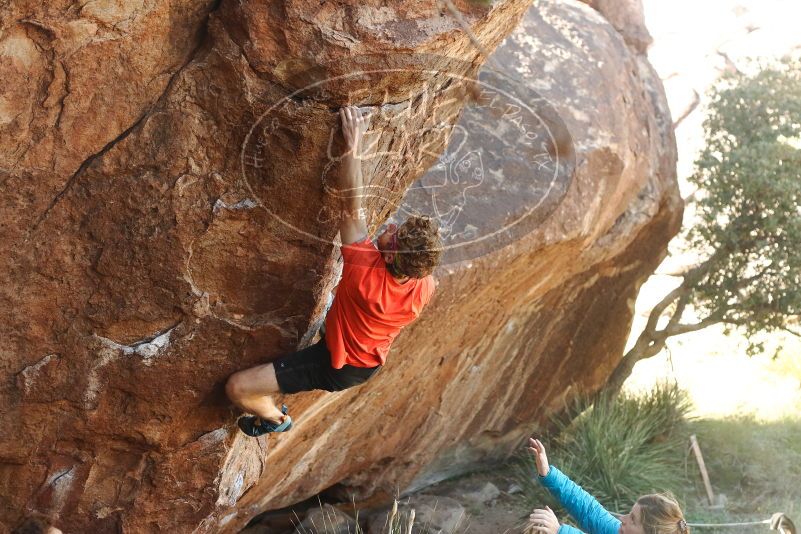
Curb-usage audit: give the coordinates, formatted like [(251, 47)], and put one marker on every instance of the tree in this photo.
[(748, 180)]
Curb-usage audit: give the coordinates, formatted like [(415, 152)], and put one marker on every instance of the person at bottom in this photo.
[(651, 514), (384, 287)]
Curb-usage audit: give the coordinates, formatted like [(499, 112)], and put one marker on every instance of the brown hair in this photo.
[(661, 514), (35, 523), (419, 248)]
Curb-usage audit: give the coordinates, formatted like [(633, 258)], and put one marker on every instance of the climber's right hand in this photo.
[(354, 126), (353, 224)]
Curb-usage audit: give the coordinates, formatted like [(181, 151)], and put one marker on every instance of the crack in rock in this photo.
[(148, 112), (147, 348), (110, 350)]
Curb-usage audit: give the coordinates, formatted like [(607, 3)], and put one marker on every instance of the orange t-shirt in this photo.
[(370, 307)]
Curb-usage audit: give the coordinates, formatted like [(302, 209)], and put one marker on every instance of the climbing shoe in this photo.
[(248, 424)]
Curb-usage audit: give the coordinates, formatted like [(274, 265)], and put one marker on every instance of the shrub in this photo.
[(619, 449)]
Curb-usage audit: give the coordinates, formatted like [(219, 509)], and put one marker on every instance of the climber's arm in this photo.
[(353, 225)]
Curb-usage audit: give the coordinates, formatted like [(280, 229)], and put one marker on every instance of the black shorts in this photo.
[(310, 369)]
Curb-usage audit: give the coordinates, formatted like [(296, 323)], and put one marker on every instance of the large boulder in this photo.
[(628, 18), (155, 246), (518, 331), (156, 234)]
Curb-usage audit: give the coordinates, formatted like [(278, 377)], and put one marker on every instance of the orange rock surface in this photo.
[(165, 222)]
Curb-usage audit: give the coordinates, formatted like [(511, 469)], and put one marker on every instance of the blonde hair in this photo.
[(661, 514), (419, 247)]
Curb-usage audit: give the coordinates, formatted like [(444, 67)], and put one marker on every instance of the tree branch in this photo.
[(661, 306), (789, 330), (690, 108), (681, 305), (651, 341), (679, 329)]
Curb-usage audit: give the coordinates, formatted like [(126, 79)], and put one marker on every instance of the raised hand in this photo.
[(354, 125), (353, 225), (540, 458), (544, 521)]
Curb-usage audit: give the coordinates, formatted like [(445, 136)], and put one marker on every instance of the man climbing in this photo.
[(384, 287)]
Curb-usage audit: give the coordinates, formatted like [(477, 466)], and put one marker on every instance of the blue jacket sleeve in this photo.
[(588, 513)]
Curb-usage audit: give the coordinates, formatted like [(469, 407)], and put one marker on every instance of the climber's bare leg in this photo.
[(252, 391)]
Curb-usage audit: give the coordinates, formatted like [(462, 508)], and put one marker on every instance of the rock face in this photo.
[(143, 261), (514, 334), (628, 18), (165, 222)]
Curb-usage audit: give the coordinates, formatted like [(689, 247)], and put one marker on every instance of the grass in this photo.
[(398, 521), (638, 444), (755, 464), (748, 424), (622, 449)]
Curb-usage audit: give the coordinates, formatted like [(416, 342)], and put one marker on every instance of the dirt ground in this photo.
[(506, 514)]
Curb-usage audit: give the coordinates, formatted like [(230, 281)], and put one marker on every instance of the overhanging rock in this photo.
[(156, 235)]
